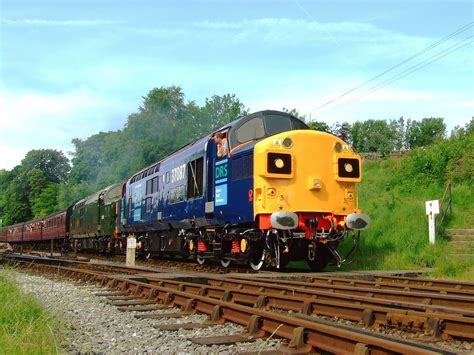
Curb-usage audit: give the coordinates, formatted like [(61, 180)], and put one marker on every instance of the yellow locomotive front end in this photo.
[(304, 187)]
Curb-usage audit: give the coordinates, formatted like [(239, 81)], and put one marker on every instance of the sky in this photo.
[(70, 68)]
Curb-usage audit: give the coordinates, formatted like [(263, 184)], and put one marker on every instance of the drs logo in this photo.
[(221, 171), (221, 174)]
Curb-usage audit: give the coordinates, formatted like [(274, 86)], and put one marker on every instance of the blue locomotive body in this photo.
[(192, 188)]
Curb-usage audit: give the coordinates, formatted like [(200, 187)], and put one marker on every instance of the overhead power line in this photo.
[(453, 48), (426, 49)]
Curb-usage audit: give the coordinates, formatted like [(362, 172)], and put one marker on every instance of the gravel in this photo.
[(93, 325)]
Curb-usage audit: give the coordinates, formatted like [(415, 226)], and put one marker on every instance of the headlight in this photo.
[(278, 163), (348, 168)]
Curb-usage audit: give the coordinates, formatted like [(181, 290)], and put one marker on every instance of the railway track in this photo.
[(413, 296), (399, 283), (286, 308), (94, 262)]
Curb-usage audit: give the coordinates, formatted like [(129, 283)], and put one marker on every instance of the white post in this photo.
[(432, 209), (131, 247)]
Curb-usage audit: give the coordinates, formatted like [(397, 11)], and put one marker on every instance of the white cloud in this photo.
[(51, 22), (35, 121), (297, 32)]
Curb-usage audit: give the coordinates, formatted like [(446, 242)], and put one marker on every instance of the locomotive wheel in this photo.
[(147, 248), (256, 263), (200, 260), (225, 262)]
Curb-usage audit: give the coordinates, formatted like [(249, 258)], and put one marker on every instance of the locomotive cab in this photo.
[(304, 187)]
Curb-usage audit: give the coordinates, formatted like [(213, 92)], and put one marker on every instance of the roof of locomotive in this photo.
[(201, 141), (95, 196)]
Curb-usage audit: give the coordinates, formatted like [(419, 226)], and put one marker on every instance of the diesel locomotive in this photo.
[(262, 190)]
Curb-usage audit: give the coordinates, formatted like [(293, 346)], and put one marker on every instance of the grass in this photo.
[(393, 192), (24, 327), (398, 237)]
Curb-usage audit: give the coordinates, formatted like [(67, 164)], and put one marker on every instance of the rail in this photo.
[(444, 206), (301, 334)]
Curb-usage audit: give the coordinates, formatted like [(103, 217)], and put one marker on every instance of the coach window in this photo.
[(148, 205), (195, 178), (149, 187), (130, 211), (154, 184), (249, 131)]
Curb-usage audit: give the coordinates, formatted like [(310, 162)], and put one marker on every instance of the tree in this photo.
[(343, 131), (459, 131), (398, 134), (319, 126), (88, 157), (162, 124), (294, 112), (43, 194), (46, 202), (426, 132), (220, 110), (52, 163), (372, 136), (17, 205)]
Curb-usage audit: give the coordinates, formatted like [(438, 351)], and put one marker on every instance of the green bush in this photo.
[(393, 192)]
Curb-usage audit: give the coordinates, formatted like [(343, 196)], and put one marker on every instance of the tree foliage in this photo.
[(163, 123), (372, 136), (54, 165), (319, 126), (31, 189), (426, 132)]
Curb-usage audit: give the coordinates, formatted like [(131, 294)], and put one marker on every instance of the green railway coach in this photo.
[(94, 219)]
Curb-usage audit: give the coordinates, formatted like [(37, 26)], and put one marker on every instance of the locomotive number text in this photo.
[(177, 173)]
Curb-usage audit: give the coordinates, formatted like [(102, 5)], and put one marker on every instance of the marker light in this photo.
[(287, 142)]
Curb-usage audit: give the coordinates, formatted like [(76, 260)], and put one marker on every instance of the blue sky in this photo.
[(73, 68)]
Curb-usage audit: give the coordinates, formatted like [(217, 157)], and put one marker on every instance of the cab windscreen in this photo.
[(278, 163)]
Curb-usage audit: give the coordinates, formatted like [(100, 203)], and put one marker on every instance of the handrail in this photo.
[(444, 211)]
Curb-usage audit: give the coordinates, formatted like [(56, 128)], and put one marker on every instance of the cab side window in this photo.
[(195, 178)]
